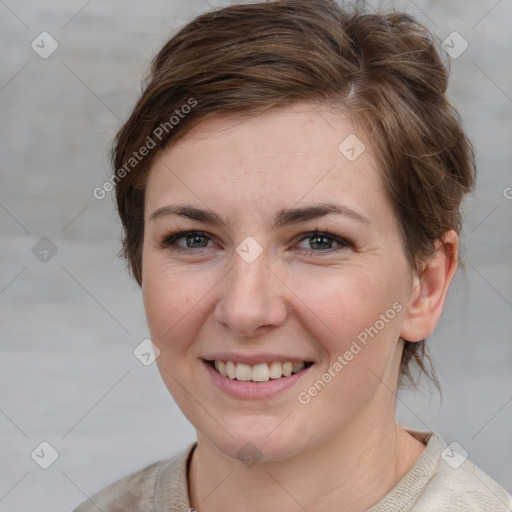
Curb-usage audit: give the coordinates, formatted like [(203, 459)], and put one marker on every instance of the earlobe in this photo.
[(429, 289)]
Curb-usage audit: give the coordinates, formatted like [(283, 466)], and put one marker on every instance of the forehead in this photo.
[(301, 153), (296, 131)]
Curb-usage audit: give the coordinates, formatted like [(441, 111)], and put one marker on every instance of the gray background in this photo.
[(68, 326)]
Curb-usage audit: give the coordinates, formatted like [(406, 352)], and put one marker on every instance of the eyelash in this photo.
[(170, 240)]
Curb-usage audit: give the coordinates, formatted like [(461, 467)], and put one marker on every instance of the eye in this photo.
[(193, 240), (322, 243)]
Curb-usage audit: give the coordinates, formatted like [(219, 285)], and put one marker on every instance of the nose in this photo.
[(253, 298)]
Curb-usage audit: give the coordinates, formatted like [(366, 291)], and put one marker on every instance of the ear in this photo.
[(429, 289)]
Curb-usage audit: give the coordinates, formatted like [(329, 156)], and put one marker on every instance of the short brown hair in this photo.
[(381, 69)]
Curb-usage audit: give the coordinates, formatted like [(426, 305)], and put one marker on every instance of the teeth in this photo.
[(287, 369), (259, 372), (222, 368), (297, 367), (275, 370), (231, 369), (243, 372)]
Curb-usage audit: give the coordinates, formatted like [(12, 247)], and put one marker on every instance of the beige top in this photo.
[(435, 483)]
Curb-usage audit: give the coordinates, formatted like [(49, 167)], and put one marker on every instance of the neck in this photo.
[(352, 469)]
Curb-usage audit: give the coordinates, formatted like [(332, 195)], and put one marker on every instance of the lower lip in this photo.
[(254, 390)]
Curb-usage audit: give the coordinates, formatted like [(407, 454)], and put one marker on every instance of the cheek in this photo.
[(356, 318), (342, 304), (363, 311), (169, 298), (173, 298), (164, 297)]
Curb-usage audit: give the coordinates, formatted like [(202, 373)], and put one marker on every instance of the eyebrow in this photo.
[(283, 217)]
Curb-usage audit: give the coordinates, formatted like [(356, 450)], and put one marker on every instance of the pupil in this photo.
[(316, 238), (194, 239)]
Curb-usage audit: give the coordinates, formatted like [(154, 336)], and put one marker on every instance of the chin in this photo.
[(252, 441)]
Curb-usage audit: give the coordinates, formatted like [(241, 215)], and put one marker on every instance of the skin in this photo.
[(343, 448)]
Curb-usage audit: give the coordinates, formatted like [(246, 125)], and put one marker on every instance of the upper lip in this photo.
[(253, 359)]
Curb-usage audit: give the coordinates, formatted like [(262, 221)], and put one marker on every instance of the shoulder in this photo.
[(442, 479), (460, 485), (135, 489), (145, 489)]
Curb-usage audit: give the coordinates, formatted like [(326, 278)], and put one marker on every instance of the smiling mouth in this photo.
[(259, 372)]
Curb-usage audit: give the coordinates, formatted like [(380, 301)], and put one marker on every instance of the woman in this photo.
[(290, 185)]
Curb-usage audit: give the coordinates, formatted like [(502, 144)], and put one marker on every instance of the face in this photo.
[(266, 245)]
